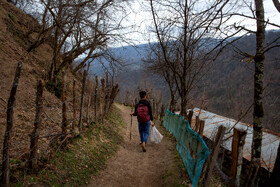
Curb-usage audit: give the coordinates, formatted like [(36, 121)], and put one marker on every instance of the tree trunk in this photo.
[(172, 103), (258, 88), (258, 84), (183, 111), (5, 180), (33, 158)]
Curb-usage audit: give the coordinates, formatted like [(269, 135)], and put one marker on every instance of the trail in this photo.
[(132, 167)]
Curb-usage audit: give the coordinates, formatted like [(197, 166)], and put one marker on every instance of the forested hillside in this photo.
[(227, 87)]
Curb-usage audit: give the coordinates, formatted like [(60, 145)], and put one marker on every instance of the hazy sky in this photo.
[(140, 18)]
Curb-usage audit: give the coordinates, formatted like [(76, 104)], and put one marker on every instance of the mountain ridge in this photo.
[(229, 84)]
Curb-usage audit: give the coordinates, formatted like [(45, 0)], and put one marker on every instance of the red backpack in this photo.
[(143, 113)]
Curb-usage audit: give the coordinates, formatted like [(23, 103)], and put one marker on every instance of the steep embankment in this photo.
[(15, 37)]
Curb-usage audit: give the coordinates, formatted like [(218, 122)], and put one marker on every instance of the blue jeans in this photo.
[(144, 129)]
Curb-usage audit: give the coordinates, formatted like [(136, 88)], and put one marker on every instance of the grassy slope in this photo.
[(82, 159)]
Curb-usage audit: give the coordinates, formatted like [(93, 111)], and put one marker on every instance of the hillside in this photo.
[(87, 154), (14, 26), (227, 86)]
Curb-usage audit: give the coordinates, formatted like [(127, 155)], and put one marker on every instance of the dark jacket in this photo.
[(147, 103)]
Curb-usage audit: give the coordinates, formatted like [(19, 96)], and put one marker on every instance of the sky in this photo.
[(140, 19)]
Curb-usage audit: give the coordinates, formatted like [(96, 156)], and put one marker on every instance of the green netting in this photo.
[(190, 145)]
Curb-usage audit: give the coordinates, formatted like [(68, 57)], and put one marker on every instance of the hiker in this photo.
[(144, 114)]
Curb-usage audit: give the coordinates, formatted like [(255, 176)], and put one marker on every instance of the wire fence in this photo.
[(54, 126)]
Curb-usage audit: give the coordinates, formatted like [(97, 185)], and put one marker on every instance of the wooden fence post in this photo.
[(114, 93), (82, 100), (96, 98), (74, 105), (5, 180), (88, 106), (106, 98), (190, 117), (213, 155), (33, 157), (238, 142), (197, 123), (63, 100), (101, 97), (201, 128)]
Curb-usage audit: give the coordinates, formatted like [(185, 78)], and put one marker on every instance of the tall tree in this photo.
[(185, 30), (258, 84)]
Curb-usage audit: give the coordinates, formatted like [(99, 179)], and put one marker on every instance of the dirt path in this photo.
[(131, 166)]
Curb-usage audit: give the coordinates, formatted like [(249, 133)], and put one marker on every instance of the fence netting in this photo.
[(190, 145)]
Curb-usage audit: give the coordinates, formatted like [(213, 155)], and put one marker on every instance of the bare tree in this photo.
[(258, 84), (157, 65), (78, 28), (185, 30)]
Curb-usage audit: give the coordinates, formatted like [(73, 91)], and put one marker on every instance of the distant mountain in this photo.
[(227, 89), (130, 58)]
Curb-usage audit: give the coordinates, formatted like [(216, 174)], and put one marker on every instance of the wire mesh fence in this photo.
[(56, 122)]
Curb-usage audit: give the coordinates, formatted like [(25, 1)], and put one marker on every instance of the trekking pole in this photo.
[(130, 124)]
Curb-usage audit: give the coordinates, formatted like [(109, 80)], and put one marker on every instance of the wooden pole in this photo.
[(238, 142), (201, 128), (96, 98), (197, 122), (82, 100), (74, 105), (113, 95), (131, 123), (101, 96), (5, 179), (64, 109), (106, 98), (214, 155), (190, 117), (88, 106), (33, 157)]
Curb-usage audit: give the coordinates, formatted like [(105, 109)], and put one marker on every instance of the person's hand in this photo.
[(152, 123), (131, 113)]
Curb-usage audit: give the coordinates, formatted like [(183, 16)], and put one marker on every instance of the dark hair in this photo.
[(142, 94)]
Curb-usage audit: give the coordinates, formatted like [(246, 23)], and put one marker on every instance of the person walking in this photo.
[(144, 114)]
